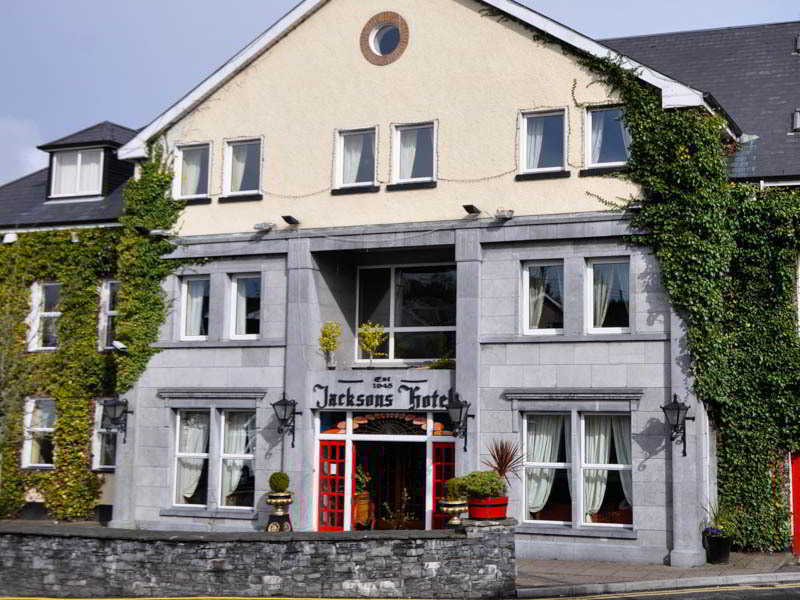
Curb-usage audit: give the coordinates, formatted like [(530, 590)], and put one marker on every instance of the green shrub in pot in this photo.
[(483, 484)]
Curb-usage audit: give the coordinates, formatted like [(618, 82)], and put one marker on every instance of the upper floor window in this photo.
[(104, 441), (77, 173), (414, 153), (243, 171), (196, 304), (609, 295), (544, 297), (39, 423), (417, 307), (192, 171), (245, 306), (609, 139), (543, 141), (109, 293), (45, 313), (356, 158)]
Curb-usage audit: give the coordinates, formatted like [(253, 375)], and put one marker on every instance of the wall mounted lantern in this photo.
[(675, 413), (115, 416), (458, 412), (285, 413)]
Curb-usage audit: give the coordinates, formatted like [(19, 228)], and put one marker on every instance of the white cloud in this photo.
[(18, 153)]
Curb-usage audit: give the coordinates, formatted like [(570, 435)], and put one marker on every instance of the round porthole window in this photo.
[(384, 38)]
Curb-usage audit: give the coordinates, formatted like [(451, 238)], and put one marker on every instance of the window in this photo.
[(77, 173), (589, 476), (236, 438), (40, 423), (46, 310), (543, 141), (544, 297), (109, 293), (196, 303), (243, 174), (238, 451), (417, 307), (609, 139), (609, 294), (246, 306), (192, 172), (104, 442), (414, 153), (356, 158)]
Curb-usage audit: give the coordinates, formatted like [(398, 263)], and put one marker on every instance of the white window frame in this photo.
[(79, 193), (228, 161), (523, 145), (97, 433), (526, 328), (27, 442), (396, 132), (178, 454), (589, 295), (233, 304), (178, 164), (37, 314), (105, 313), (391, 329), (223, 457), (184, 307), (339, 162), (575, 468), (588, 141)]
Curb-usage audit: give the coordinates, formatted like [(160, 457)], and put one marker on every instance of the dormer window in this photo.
[(77, 173)]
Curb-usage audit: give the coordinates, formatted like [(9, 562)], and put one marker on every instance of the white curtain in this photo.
[(193, 440), (66, 176), (622, 442), (598, 447), (241, 306), (239, 163), (535, 138), (237, 428), (190, 172), (90, 171), (626, 137), (536, 277), (196, 291), (351, 159), (598, 131), (544, 440), (408, 152), (603, 276)]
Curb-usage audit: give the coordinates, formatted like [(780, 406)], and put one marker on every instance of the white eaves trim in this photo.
[(674, 94)]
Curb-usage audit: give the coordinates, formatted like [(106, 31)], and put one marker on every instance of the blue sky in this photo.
[(68, 64)]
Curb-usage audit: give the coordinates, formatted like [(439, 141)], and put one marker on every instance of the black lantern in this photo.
[(458, 412), (115, 416), (285, 413), (675, 413)]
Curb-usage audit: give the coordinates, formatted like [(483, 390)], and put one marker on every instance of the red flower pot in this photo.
[(488, 508)]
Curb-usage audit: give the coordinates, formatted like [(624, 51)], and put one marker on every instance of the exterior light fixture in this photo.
[(472, 210), (675, 413), (796, 120), (290, 220), (504, 215), (458, 412), (285, 413), (115, 416), (264, 227), (10, 238)]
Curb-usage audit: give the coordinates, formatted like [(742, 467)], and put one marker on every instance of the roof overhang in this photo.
[(674, 94)]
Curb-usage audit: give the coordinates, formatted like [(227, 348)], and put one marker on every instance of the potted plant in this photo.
[(370, 337), (279, 498), (361, 500), (329, 342), (486, 497), (505, 458), (718, 532), (455, 502)]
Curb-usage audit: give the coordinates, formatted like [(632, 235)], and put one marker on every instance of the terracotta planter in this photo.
[(361, 509), (488, 508)]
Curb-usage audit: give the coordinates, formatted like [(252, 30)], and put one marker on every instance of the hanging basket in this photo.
[(488, 508)]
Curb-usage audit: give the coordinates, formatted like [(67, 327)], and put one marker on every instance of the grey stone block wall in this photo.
[(476, 561)]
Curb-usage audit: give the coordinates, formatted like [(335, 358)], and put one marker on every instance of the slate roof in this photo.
[(105, 133), (754, 73)]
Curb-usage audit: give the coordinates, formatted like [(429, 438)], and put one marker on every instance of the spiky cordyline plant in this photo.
[(505, 457)]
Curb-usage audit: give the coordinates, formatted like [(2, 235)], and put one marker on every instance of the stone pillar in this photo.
[(687, 479), (468, 313)]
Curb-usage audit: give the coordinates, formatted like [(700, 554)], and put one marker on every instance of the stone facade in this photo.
[(476, 561)]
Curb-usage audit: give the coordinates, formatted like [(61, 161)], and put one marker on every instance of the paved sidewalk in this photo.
[(541, 578)]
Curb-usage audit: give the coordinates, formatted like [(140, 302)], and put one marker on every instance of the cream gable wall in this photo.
[(469, 73)]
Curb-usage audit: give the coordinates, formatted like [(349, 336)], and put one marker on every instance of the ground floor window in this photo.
[(588, 475), (40, 422), (382, 470)]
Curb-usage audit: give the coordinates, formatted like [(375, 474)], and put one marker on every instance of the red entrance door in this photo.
[(331, 485), (444, 468), (795, 507)]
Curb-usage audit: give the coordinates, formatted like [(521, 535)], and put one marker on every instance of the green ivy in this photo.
[(77, 372)]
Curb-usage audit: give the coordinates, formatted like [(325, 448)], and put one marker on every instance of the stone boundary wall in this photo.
[(475, 561)]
